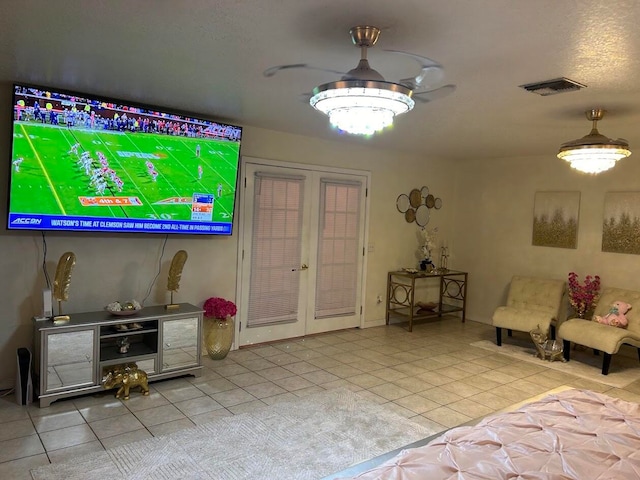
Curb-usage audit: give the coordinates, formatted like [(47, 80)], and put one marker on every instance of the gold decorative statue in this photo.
[(62, 281), (546, 348), (175, 273), (126, 376)]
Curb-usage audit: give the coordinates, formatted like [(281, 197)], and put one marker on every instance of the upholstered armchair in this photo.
[(532, 302)]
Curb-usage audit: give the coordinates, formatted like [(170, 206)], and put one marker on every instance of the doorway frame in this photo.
[(241, 282)]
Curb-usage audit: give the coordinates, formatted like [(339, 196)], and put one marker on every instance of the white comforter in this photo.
[(574, 434)]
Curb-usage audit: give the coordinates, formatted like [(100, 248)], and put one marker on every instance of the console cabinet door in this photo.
[(180, 343), (69, 359)]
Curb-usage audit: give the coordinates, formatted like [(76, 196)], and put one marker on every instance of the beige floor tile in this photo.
[(59, 406), (320, 377), (265, 389), (301, 367), (233, 397), (276, 373), (20, 447), (109, 427), (343, 371), (324, 362), (489, 399), (129, 437), (246, 407), (170, 427), (461, 388), (207, 417), (46, 423), (182, 393), (366, 380), (158, 415), (417, 403), (292, 384), (230, 369), (71, 453), (427, 422), (19, 469), (106, 410), (142, 402), (446, 416), (440, 395), (217, 385), (435, 378), (284, 359), (389, 374), (246, 379), (67, 437), (16, 429), (390, 391), (412, 384), (471, 408), (198, 405)]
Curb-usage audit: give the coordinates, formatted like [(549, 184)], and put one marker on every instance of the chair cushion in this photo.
[(596, 335), (521, 319)]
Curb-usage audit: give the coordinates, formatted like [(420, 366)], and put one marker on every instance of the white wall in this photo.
[(493, 221), (119, 267)]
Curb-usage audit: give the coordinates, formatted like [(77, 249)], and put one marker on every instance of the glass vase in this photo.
[(218, 336)]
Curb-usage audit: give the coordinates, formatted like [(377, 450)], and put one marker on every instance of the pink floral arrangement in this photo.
[(217, 307), (583, 297)]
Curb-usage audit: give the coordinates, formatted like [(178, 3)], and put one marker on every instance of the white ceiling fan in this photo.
[(362, 102)]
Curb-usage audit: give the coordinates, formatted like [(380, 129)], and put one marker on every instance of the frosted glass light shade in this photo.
[(594, 159), (362, 107)]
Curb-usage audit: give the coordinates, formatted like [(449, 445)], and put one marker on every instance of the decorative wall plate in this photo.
[(430, 201), (422, 215), (410, 215), (424, 191), (415, 198), (438, 203), (402, 203)]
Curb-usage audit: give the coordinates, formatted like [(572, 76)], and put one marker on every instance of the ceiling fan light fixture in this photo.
[(362, 107), (594, 153)]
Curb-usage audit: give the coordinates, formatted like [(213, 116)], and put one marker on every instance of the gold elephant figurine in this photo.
[(126, 376)]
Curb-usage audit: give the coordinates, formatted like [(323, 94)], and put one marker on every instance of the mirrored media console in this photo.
[(72, 359)]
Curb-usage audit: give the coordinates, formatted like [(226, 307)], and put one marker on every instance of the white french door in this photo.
[(302, 254)]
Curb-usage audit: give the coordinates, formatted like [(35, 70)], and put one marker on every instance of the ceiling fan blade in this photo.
[(431, 72), (270, 72), (427, 77), (430, 95)]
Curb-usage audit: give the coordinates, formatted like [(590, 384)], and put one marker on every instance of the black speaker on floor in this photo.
[(24, 387)]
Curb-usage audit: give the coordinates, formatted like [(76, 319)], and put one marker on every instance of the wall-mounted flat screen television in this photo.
[(84, 163)]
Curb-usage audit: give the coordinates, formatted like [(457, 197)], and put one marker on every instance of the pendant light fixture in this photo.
[(594, 153)]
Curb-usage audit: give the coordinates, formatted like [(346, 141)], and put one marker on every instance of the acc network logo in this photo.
[(26, 221)]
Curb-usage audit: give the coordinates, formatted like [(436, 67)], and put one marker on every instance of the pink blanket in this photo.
[(574, 434)]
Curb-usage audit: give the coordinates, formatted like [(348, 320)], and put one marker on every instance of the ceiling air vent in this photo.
[(553, 87)]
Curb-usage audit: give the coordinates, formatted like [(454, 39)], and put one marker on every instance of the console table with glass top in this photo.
[(401, 301)]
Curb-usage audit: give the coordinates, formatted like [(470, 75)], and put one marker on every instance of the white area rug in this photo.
[(308, 438), (583, 363)]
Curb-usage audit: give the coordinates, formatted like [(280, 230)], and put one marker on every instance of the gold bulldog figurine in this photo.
[(126, 376)]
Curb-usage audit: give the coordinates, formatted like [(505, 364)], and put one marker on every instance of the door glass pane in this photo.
[(338, 248), (275, 250)]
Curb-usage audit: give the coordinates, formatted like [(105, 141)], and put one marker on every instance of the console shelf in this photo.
[(71, 359)]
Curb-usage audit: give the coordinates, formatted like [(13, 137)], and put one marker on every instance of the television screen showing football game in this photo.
[(83, 163)]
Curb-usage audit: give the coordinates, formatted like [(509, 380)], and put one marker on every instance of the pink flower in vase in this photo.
[(216, 307), (583, 297)]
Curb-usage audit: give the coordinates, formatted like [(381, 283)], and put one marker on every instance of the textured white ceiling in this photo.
[(207, 57)]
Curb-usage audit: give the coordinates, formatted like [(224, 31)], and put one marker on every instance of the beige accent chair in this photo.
[(601, 337), (532, 302)]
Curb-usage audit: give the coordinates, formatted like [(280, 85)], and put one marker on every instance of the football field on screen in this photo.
[(51, 178)]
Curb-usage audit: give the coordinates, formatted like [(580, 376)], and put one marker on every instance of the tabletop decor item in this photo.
[(583, 297), (429, 239), (123, 309), (175, 273), (218, 326), (61, 283)]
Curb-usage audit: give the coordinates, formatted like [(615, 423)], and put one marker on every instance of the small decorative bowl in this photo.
[(123, 309)]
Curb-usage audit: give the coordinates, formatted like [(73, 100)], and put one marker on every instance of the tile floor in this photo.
[(431, 375)]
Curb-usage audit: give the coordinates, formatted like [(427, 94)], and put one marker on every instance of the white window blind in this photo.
[(338, 248), (275, 250)]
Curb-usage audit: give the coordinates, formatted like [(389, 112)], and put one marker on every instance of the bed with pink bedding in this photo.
[(574, 434)]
